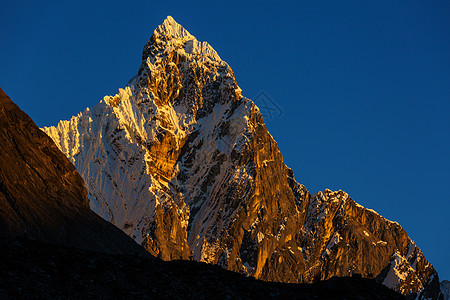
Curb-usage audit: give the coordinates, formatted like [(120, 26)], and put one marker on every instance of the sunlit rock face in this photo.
[(185, 165)]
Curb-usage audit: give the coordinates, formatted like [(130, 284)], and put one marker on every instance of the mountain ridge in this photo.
[(42, 195), (203, 177), (53, 246)]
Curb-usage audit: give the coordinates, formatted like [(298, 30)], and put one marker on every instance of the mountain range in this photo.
[(52, 246), (183, 163)]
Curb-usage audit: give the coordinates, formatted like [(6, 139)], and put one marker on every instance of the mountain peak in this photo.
[(171, 29), (171, 36), (169, 19), (184, 164)]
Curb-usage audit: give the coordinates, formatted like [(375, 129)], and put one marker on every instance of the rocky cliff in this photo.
[(42, 196), (185, 165)]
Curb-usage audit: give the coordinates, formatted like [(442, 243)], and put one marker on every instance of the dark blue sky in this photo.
[(363, 88)]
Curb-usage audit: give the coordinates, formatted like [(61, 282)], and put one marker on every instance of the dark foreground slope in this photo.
[(35, 270), (42, 196)]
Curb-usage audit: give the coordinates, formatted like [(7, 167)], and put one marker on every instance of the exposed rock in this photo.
[(183, 163), (43, 198)]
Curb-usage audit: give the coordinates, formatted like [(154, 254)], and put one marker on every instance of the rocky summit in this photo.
[(183, 163)]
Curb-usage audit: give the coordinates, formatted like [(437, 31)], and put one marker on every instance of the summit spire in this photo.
[(171, 36), (170, 28), (184, 164)]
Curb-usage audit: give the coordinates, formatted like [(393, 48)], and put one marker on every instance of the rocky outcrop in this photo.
[(42, 196), (184, 164)]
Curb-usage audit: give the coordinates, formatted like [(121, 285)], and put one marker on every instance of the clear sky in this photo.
[(359, 90)]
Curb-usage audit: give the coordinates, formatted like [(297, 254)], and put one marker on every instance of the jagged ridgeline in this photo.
[(185, 165)]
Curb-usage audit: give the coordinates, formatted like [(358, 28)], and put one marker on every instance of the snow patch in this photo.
[(399, 272), (260, 237), (335, 239)]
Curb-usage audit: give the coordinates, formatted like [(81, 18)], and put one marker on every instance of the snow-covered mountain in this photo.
[(53, 246), (185, 165)]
